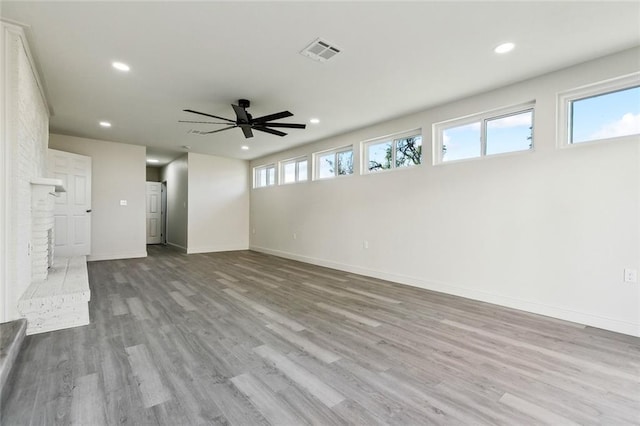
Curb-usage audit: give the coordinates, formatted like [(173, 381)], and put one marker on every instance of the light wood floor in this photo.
[(245, 338)]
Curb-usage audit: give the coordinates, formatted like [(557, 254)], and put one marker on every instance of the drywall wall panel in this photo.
[(548, 231), (118, 177), (218, 204)]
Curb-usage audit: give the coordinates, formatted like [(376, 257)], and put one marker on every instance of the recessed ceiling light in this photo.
[(504, 48), (152, 160), (105, 124), (314, 120), (244, 147), (120, 66)]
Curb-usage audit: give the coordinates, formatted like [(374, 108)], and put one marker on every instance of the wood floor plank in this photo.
[(295, 326), (265, 401), (311, 348), (535, 411), (138, 309), (87, 407), (358, 318), (118, 307), (182, 301), (302, 377), (153, 390)]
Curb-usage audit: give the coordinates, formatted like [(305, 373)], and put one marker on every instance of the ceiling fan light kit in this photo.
[(245, 121)]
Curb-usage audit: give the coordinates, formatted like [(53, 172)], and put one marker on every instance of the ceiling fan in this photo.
[(246, 122)]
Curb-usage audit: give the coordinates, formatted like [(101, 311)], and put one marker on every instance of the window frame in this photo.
[(335, 151), (440, 127), (393, 138), (296, 161), (566, 99), (265, 167)]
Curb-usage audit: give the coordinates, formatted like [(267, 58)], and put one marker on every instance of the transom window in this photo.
[(602, 111), (264, 176), (491, 133), (402, 150), (294, 170), (337, 162)]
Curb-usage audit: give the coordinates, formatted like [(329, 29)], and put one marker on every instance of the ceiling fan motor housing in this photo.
[(244, 103)]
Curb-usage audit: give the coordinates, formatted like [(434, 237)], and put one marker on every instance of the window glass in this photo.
[(408, 151), (326, 165), (605, 116), (509, 133), (461, 142), (289, 171), (271, 175), (302, 170), (262, 177), (345, 162), (380, 155)]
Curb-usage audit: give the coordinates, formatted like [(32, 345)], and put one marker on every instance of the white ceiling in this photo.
[(396, 58)]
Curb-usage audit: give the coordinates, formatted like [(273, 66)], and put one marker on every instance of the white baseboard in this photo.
[(116, 256), (212, 249), (562, 313), (180, 248)]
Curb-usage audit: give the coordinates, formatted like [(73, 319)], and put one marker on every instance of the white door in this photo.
[(154, 224), (72, 213)]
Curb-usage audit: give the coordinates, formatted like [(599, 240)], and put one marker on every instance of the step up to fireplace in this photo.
[(11, 337), (61, 301)]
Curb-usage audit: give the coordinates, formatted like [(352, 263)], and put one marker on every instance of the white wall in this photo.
[(218, 204), (24, 122), (177, 178), (118, 173), (547, 231)]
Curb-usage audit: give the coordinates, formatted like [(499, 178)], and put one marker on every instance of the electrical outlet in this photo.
[(295, 236), (253, 230), (630, 276), (365, 244)]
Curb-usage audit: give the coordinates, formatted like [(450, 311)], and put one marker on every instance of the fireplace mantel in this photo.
[(56, 183)]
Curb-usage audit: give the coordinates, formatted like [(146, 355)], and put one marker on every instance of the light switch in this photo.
[(123, 202)]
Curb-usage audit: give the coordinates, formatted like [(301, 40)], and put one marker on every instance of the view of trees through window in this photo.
[(402, 152), (335, 163)]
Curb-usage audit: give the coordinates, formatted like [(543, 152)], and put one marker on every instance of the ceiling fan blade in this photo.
[(284, 125), (241, 113), (199, 122), (247, 131), (267, 130), (208, 115), (271, 117), (219, 130)]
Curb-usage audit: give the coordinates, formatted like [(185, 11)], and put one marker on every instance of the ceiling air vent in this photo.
[(320, 50)]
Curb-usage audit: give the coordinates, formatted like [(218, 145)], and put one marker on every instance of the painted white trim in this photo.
[(558, 312), (213, 249), (481, 118), (116, 256), (335, 151), (565, 99)]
